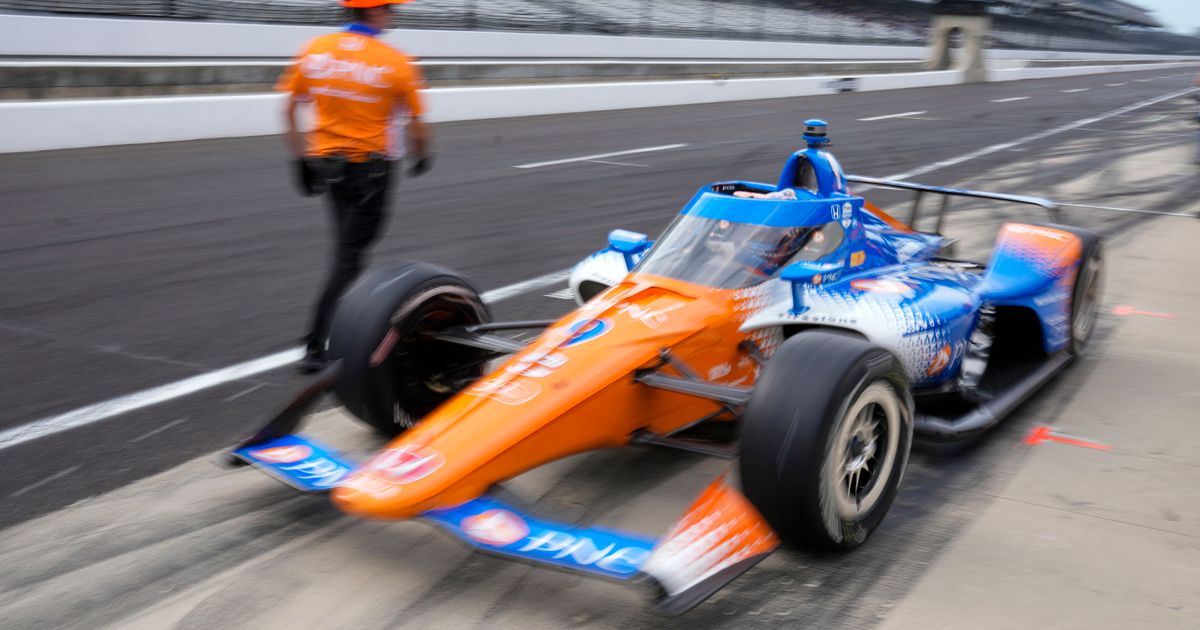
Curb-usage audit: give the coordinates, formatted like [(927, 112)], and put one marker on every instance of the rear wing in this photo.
[(947, 193)]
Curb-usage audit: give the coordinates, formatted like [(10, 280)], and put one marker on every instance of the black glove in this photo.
[(310, 179), (421, 166)]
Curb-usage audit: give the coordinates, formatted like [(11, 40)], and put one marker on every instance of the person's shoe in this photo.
[(313, 362)]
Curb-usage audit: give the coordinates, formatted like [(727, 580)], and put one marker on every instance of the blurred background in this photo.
[(157, 269)]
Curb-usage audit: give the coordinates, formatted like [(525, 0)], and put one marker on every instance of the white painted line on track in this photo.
[(601, 156), (996, 148), (150, 434), (146, 398), (1072, 91), (1114, 84), (244, 392), (618, 163), (55, 477), (903, 115), (495, 295), (1010, 100)]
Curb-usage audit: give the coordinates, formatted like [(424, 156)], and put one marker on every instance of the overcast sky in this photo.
[(1178, 15)]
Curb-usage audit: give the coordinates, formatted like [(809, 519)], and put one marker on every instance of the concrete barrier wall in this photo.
[(42, 125), (1017, 74), (24, 36)]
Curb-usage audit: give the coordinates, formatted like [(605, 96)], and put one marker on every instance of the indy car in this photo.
[(821, 329)]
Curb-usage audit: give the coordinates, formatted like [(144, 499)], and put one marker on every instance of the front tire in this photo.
[(825, 439), (393, 373)]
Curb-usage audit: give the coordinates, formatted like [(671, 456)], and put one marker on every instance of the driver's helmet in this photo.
[(787, 246), (720, 233)]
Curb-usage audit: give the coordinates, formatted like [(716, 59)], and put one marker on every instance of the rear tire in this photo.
[(1085, 296), (1088, 287), (392, 373), (825, 439)]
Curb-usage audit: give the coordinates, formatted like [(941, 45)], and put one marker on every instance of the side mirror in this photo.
[(805, 274), (629, 244)]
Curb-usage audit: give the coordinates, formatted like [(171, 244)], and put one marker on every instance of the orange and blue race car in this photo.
[(818, 328)]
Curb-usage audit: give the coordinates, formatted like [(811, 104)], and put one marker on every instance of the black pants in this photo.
[(358, 195)]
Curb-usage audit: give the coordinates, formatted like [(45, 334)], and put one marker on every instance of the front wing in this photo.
[(717, 539)]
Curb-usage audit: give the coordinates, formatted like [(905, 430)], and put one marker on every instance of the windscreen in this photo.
[(723, 254)]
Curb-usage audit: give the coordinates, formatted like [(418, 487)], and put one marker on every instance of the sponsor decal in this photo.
[(847, 215), (584, 552), (407, 464), (324, 66), (372, 485), (352, 43), (823, 319), (299, 462), (283, 454), (651, 318), (941, 361), (858, 259), (513, 393), (537, 364), (720, 371), (318, 473), (1034, 230), (496, 528), (586, 330), (883, 285)]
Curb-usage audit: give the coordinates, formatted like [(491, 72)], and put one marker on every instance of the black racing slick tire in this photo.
[(1087, 292), (393, 373), (825, 439)]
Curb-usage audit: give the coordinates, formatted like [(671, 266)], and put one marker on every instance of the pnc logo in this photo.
[(497, 528), (283, 454), (407, 464)]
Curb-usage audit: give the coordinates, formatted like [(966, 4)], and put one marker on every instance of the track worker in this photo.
[(366, 96)]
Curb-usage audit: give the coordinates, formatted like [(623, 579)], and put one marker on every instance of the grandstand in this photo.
[(1075, 25)]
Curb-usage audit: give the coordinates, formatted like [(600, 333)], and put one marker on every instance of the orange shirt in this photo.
[(359, 87)]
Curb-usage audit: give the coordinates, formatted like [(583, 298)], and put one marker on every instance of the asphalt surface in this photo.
[(131, 267)]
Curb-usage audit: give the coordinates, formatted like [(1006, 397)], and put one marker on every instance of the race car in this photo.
[(817, 330)]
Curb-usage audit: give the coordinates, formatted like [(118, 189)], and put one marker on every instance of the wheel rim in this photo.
[(416, 363), (864, 451), (1088, 300)]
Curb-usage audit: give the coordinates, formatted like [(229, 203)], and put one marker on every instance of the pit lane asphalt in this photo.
[(129, 267)]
